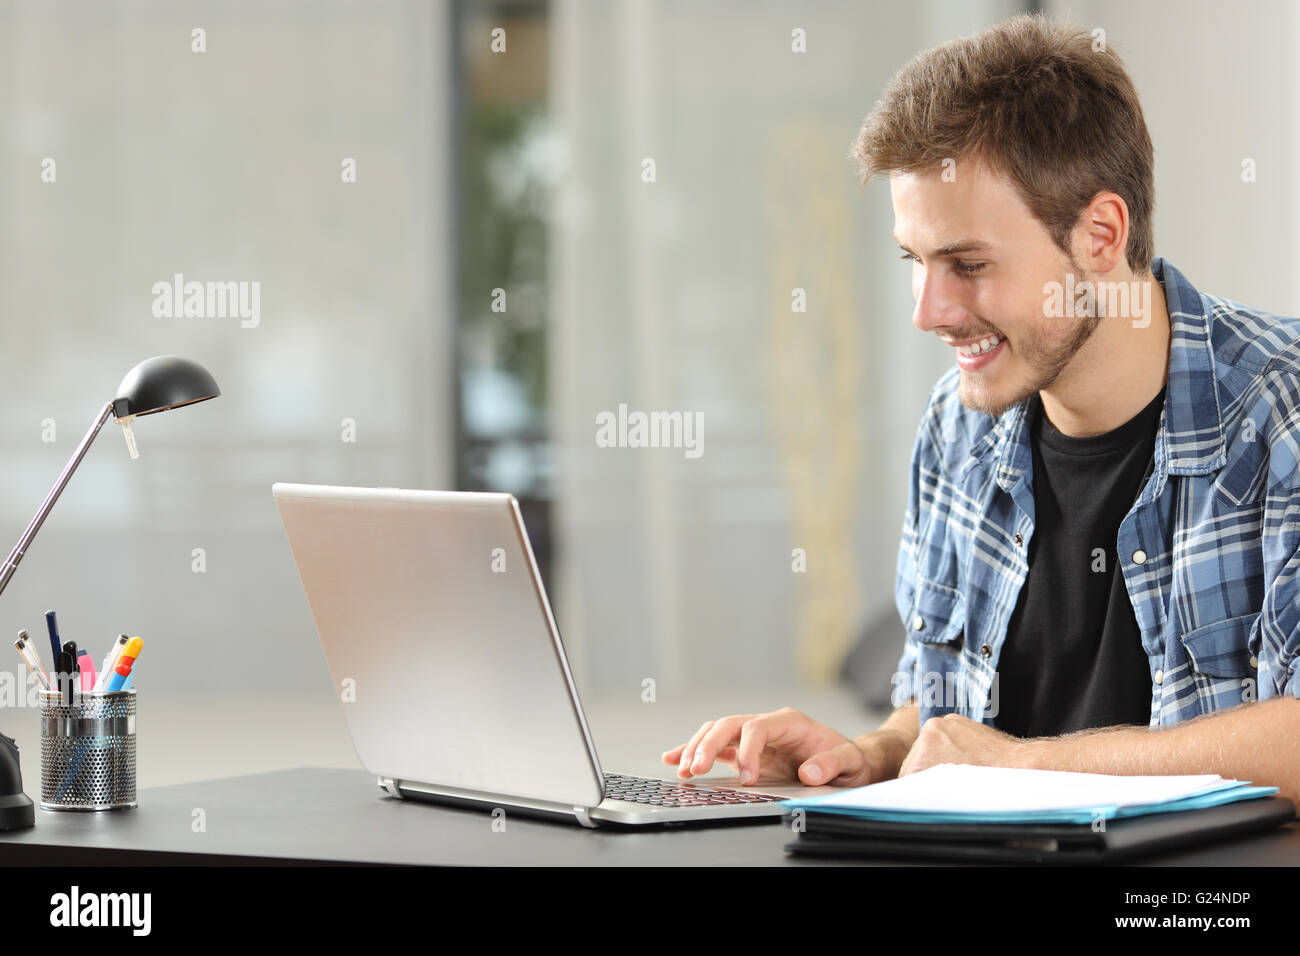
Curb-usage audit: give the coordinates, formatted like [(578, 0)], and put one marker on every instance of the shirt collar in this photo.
[(1194, 417), (1190, 440)]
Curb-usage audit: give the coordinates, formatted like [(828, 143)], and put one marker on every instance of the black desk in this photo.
[(341, 816)]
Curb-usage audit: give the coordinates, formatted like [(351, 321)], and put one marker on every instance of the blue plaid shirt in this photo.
[(1210, 550)]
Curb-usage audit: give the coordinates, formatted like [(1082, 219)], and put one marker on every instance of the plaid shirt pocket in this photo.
[(938, 627), (1222, 665)]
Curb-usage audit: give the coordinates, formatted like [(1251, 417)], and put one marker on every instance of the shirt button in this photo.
[(1018, 539), (1139, 557), (918, 622), (1254, 661), (986, 651), (1160, 677)]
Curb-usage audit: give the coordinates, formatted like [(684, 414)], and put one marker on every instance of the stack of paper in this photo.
[(960, 793)]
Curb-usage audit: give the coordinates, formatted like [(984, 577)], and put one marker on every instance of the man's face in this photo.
[(980, 261)]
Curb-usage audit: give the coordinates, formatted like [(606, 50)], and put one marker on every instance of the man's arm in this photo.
[(1259, 742)]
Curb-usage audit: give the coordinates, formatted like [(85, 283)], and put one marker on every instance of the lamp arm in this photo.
[(16, 555)]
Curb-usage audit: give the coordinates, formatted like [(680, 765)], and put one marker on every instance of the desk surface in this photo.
[(318, 815)]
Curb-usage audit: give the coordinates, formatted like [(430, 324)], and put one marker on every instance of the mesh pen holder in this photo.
[(88, 751)]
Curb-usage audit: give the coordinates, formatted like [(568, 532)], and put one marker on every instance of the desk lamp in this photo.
[(155, 385)]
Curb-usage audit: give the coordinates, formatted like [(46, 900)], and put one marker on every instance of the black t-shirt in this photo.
[(1073, 656)]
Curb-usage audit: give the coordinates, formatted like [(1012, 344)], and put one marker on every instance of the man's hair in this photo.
[(1034, 101)]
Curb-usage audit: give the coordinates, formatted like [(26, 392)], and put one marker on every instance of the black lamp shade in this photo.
[(163, 382)]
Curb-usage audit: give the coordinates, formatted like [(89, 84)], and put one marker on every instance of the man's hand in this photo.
[(956, 739), (784, 746)]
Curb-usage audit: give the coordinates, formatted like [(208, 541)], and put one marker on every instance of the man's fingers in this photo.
[(674, 756), (754, 735), (688, 751), (698, 759), (823, 768), (722, 734)]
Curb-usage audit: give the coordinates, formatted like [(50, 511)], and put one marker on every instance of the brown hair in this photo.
[(1037, 103)]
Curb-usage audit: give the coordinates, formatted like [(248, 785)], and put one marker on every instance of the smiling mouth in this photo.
[(987, 344)]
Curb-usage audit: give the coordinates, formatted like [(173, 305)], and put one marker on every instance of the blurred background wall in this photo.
[(557, 208), (222, 165)]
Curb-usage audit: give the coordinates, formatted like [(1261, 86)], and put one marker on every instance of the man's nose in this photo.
[(936, 306)]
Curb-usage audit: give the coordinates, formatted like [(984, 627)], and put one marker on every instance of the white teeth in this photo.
[(982, 346)]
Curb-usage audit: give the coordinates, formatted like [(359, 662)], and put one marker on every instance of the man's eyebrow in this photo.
[(955, 248)]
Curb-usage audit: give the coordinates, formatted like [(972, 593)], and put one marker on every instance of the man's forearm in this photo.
[(1257, 742)]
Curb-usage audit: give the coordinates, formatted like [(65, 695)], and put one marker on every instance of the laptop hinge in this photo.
[(404, 789)]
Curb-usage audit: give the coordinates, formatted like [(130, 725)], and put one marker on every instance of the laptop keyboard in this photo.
[(661, 793)]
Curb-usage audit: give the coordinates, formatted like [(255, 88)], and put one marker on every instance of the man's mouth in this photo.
[(974, 356), (980, 346)]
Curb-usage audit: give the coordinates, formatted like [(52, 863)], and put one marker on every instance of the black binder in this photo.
[(839, 835)]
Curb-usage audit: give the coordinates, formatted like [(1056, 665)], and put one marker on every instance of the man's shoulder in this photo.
[(1253, 341), (1257, 365)]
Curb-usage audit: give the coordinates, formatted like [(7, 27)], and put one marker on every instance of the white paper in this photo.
[(962, 788)]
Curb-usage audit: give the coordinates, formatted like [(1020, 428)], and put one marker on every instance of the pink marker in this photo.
[(87, 670)]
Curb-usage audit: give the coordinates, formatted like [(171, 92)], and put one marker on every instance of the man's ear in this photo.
[(1101, 236)]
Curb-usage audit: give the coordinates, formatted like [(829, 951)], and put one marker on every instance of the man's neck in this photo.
[(1118, 371)]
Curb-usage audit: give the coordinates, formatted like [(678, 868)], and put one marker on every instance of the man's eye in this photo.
[(965, 268)]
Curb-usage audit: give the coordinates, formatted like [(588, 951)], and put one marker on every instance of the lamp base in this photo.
[(16, 812)]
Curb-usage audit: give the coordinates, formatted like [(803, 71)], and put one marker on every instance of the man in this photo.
[(1098, 566)]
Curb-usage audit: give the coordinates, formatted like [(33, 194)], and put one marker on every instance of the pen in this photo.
[(110, 661), (53, 627), (65, 677), (124, 664), (74, 670), (29, 654)]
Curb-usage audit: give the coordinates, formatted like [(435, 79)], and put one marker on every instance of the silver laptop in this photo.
[(450, 669)]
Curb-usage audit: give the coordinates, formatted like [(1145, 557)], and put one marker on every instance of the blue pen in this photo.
[(53, 627)]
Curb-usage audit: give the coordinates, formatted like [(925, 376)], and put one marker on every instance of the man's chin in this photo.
[(989, 402)]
